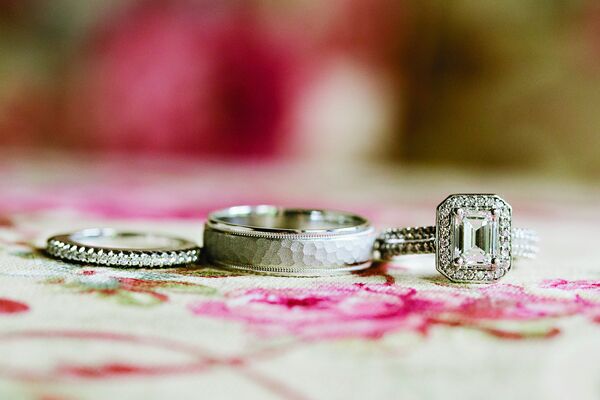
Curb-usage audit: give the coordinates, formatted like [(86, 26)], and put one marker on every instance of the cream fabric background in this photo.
[(398, 331)]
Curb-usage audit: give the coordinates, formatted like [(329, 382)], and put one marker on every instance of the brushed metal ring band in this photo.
[(113, 248), (288, 241)]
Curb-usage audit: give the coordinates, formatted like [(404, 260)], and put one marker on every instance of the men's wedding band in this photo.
[(288, 241), (473, 239), (113, 248)]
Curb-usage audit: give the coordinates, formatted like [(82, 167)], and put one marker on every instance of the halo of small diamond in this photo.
[(484, 202)]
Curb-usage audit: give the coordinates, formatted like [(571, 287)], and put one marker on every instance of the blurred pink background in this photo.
[(485, 85)]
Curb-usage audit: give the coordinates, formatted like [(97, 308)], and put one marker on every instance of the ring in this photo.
[(288, 241), (473, 239), (122, 249)]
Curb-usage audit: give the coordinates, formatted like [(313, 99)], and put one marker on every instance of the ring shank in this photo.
[(108, 238), (421, 240), (271, 219)]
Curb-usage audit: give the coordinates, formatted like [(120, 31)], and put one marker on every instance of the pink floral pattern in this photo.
[(9, 306), (373, 310), (564, 284), (126, 290)]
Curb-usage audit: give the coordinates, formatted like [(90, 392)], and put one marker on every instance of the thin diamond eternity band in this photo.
[(109, 247)]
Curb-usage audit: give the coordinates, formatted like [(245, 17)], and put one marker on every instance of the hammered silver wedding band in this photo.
[(113, 248), (288, 241), (473, 239)]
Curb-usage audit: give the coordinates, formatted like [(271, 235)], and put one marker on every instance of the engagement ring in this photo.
[(473, 239)]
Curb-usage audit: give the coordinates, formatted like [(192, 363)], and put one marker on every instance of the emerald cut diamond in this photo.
[(473, 241), (475, 237)]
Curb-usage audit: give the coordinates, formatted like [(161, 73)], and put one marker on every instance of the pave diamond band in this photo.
[(113, 248), (403, 241), (395, 242), (290, 242), (473, 239), (525, 243)]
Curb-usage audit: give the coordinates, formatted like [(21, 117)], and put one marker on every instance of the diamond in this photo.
[(91, 256), (145, 260), (134, 260), (82, 255), (112, 258), (119, 257), (475, 237), (100, 257)]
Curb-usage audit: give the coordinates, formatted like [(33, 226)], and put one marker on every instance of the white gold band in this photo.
[(291, 242)]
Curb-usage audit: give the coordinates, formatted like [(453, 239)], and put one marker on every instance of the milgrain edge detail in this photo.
[(289, 254)]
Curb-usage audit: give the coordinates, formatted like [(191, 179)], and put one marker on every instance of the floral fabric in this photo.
[(396, 330)]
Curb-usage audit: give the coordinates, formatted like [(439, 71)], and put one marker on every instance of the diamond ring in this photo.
[(473, 239), (288, 241), (113, 248)]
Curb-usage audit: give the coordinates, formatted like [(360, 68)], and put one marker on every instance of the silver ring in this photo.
[(114, 248), (473, 239), (288, 241)]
